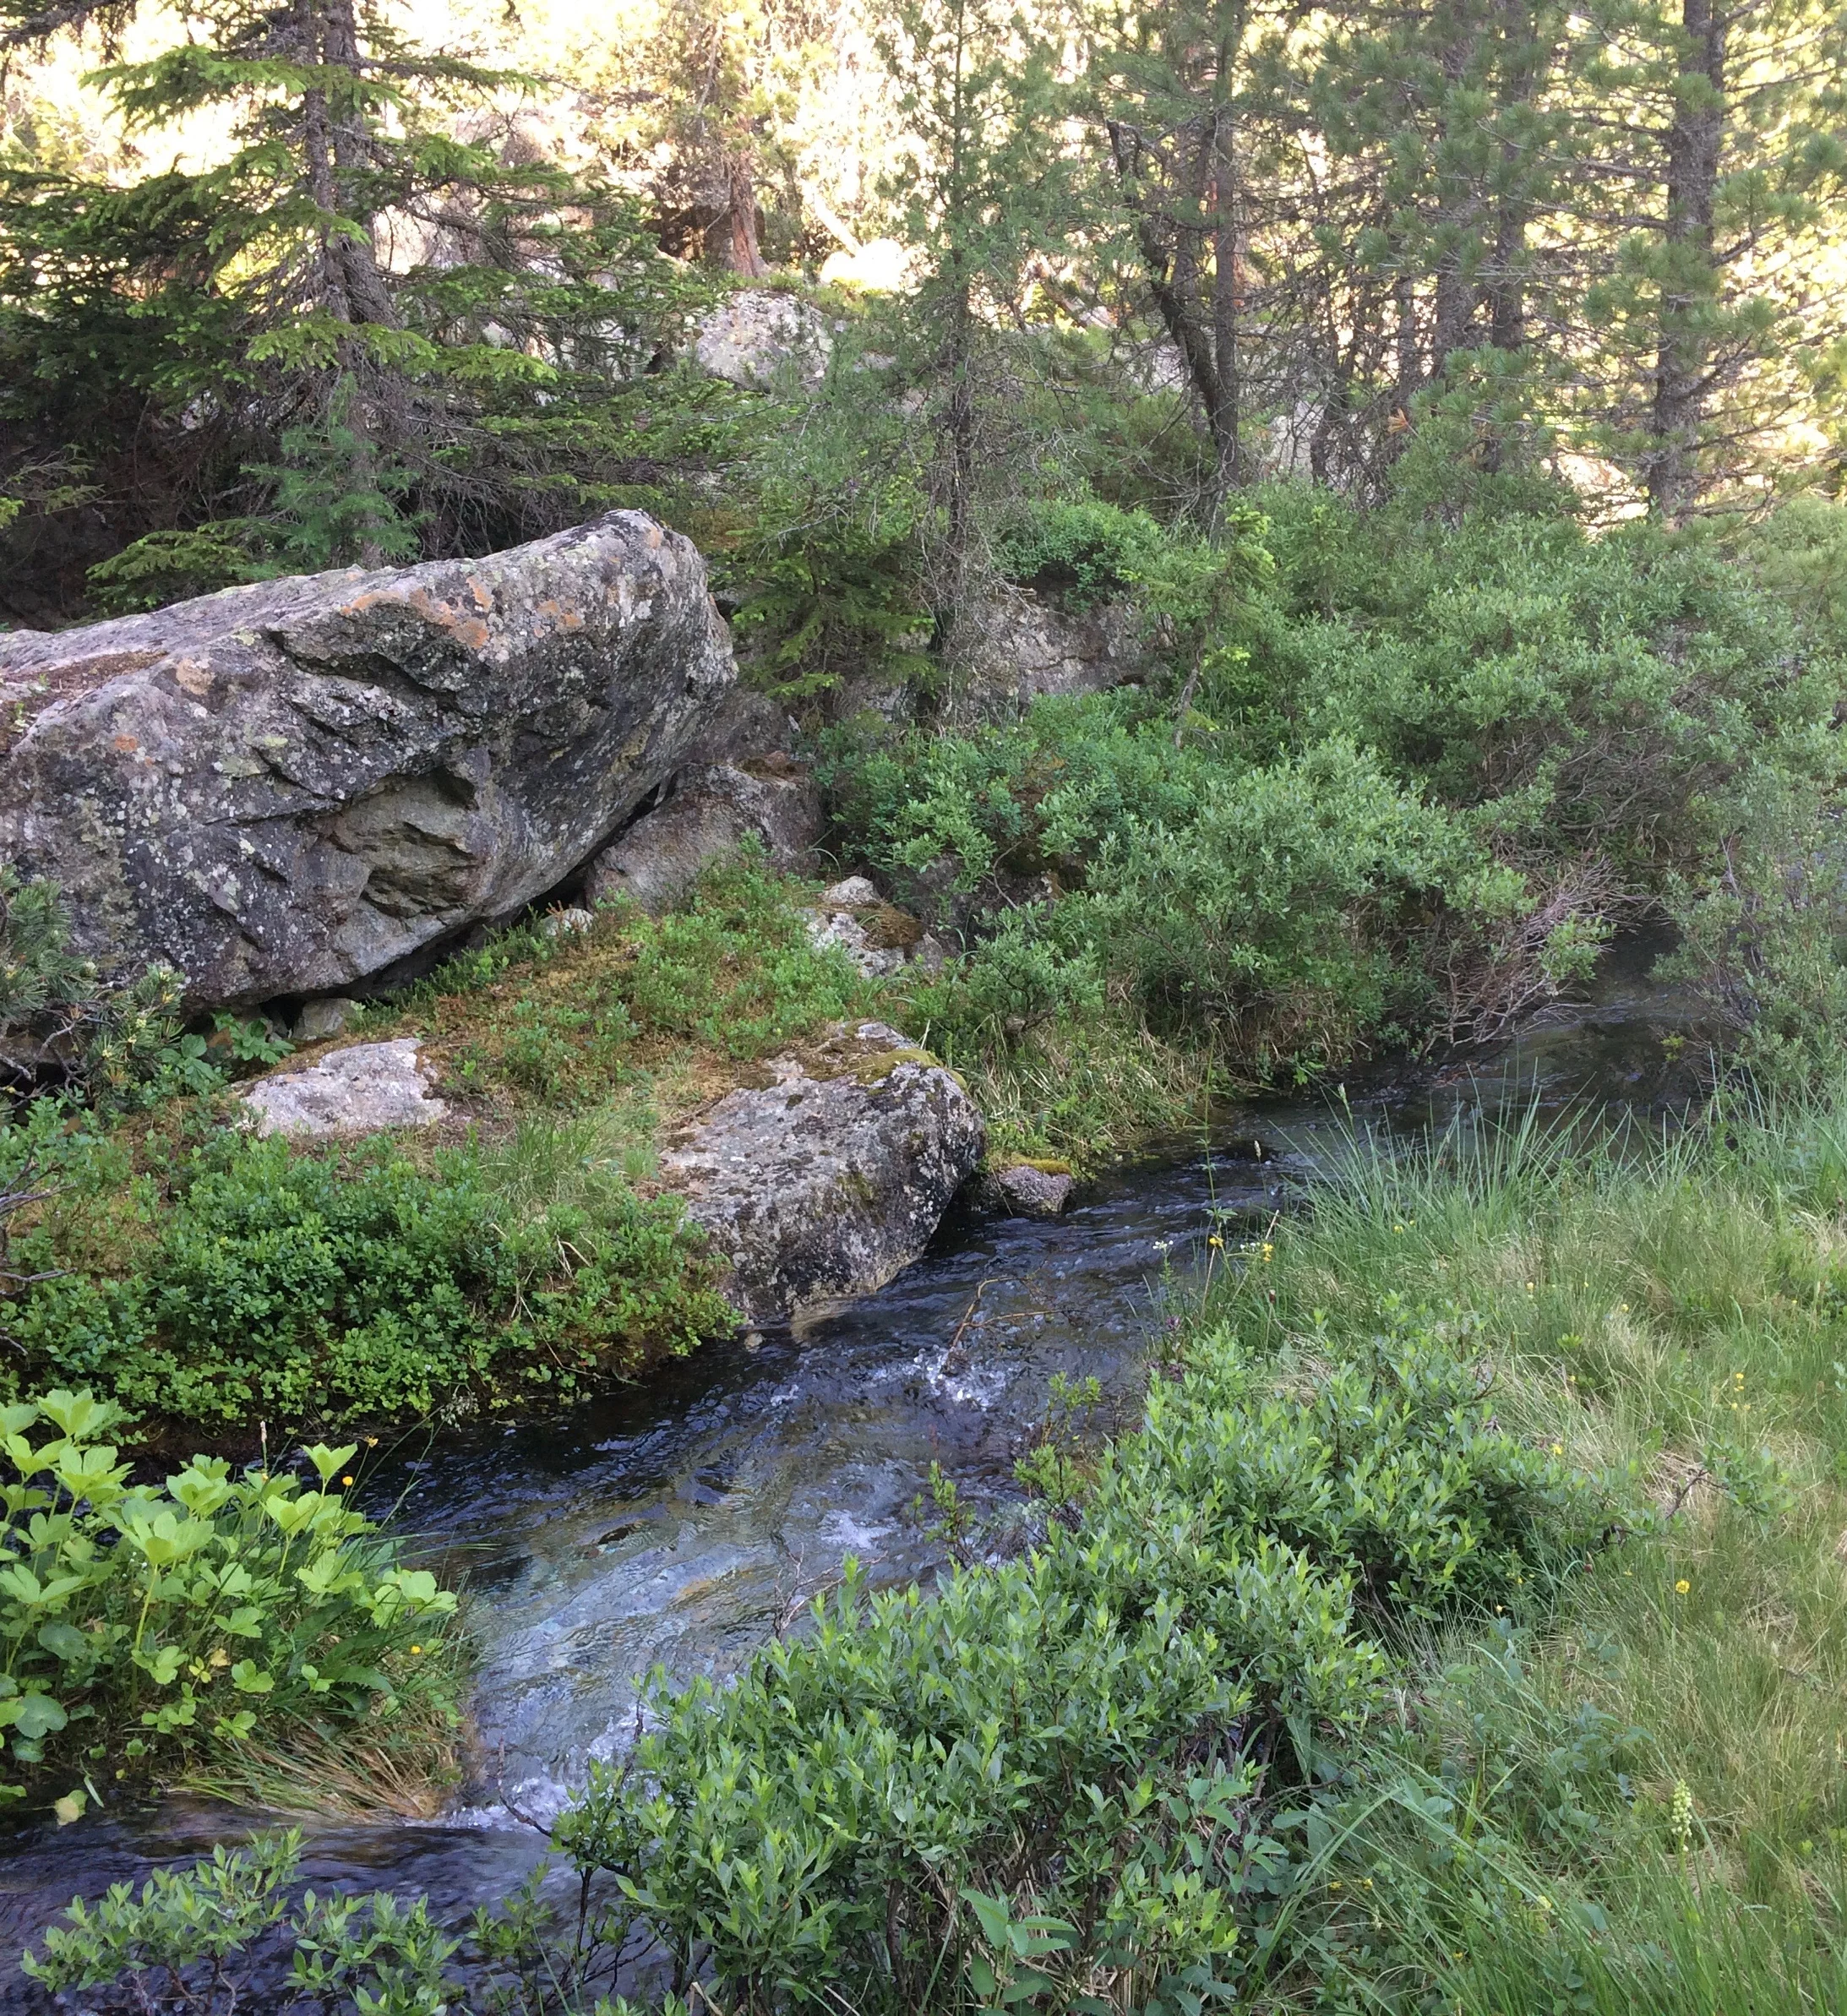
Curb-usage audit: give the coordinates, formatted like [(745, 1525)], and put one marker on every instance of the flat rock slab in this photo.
[(363, 1089), (829, 1181), (287, 787)]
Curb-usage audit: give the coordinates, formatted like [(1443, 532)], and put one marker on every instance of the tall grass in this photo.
[(1633, 1797)]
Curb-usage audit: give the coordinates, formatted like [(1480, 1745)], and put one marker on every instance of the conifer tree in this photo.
[(1720, 145), (370, 296), (983, 183)]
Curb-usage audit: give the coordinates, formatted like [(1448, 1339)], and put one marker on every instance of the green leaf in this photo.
[(66, 1642), (38, 1716)]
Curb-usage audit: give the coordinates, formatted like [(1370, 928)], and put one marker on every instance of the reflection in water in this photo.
[(680, 1523)]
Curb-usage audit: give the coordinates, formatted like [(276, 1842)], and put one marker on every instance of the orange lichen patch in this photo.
[(127, 744), (473, 634), (478, 589), (560, 617)]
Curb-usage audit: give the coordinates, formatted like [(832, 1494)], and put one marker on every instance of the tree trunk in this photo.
[(1225, 302), (1694, 143), (1459, 207), (351, 287), (733, 237), (1505, 278)]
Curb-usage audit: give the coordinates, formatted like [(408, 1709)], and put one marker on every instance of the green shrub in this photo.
[(1044, 793), (1056, 1776), (184, 1944), (827, 566), (1077, 550), (151, 1630), (1287, 915), (294, 1286), (1292, 915)]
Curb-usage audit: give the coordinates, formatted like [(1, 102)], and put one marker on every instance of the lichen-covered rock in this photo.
[(829, 1181), (364, 1089), (321, 1020), (758, 332), (711, 812), (1033, 1193), (1025, 647), (285, 788), (876, 935)]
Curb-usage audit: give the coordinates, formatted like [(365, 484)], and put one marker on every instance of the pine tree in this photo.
[(366, 291), (983, 184), (1721, 151)]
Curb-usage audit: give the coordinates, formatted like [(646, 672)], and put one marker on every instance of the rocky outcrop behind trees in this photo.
[(286, 788)]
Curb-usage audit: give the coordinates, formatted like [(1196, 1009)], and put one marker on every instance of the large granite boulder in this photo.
[(285, 788), (829, 1180), (714, 809)]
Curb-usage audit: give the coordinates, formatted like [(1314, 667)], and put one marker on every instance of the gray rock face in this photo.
[(831, 1180), (713, 809), (753, 335), (748, 725), (363, 1089), (287, 787), (1033, 1193), (319, 1020), (1028, 647)]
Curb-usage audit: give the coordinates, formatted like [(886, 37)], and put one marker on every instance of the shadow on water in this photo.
[(680, 1523)]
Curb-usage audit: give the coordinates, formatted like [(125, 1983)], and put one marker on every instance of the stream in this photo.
[(680, 1522)]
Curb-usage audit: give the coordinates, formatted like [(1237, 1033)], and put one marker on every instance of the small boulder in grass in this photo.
[(876, 935), (1034, 1193), (367, 1089)]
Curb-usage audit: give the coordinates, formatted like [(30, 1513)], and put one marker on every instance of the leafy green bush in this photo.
[(1077, 550), (1628, 694), (150, 1629), (1059, 1773), (267, 1281), (1286, 913), (1043, 794), (1292, 916), (184, 1944)]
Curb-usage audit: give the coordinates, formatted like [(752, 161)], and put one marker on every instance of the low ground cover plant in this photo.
[(557, 1020), (203, 1280), (255, 1279), (186, 1630)]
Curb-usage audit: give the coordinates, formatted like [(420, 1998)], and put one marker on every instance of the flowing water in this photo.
[(680, 1523)]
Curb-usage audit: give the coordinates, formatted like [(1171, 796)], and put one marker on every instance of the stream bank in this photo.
[(678, 1522)]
